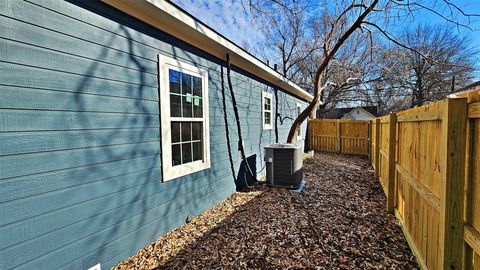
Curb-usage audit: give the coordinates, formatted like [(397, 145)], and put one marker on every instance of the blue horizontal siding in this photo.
[(80, 167), (28, 120), (63, 42), (15, 75), (25, 186), (34, 99), (32, 142), (54, 60), (52, 161), (33, 206)]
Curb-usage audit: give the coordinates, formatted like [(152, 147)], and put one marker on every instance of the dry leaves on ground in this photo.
[(338, 222)]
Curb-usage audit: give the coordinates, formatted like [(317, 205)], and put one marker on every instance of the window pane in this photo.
[(186, 131), (186, 84), (266, 103), (186, 152), (187, 105), (197, 87), (267, 118), (186, 101), (176, 155), (197, 131), (174, 78), (175, 132), (197, 107), (175, 106), (197, 151)]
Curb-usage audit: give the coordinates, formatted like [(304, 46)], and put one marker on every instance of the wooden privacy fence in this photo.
[(427, 161), (340, 136)]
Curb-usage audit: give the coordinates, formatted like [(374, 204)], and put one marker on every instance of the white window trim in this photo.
[(171, 172), (299, 136), (270, 96)]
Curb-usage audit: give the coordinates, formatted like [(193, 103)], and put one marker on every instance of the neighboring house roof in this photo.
[(338, 113), (471, 92), (467, 89), (358, 114), (470, 87), (171, 19)]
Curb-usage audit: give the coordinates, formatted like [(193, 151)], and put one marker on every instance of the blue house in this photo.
[(117, 123)]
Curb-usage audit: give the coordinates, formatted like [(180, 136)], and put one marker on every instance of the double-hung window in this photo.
[(184, 118), (267, 115)]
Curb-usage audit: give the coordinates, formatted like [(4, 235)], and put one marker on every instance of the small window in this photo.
[(298, 112), (184, 118), (267, 116)]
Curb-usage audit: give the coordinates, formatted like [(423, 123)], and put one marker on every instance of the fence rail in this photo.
[(427, 161)]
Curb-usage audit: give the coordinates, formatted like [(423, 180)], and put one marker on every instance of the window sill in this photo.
[(175, 172), (267, 127)]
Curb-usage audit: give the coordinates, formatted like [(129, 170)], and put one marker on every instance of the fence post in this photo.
[(454, 123), (372, 142), (377, 147), (339, 134), (469, 157), (391, 185), (312, 139), (369, 141)]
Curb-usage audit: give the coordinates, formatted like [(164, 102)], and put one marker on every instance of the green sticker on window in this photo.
[(196, 100), (189, 97)]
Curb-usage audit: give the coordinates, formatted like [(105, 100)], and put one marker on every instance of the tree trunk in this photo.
[(326, 60)]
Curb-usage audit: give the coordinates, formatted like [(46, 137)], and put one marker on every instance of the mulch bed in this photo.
[(338, 222)]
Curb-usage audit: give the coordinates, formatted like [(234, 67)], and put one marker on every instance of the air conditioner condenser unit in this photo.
[(284, 165)]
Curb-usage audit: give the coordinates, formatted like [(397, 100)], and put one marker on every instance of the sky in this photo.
[(469, 6), (229, 18)]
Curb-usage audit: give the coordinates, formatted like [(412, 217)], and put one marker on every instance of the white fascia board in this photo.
[(167, 17)]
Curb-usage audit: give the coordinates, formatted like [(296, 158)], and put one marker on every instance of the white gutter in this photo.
[(167, 17)]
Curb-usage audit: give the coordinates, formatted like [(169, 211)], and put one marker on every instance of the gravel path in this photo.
[(339, 222)]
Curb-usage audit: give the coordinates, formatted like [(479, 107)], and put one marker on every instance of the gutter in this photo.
[(171, 19)]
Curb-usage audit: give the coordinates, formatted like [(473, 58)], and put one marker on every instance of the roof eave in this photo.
[(168, 18)]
